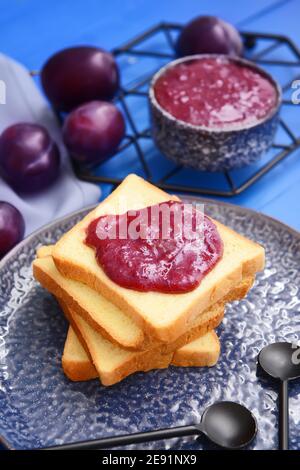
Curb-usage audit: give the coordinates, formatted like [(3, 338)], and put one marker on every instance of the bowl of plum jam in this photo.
[(213, 112)]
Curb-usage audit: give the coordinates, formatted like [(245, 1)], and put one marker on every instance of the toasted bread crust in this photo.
[(45, 250), (79, 372), (238, 292), (140, 363), (185, 358), (52, 286), (82, 369), (155, 358), (143, 361)]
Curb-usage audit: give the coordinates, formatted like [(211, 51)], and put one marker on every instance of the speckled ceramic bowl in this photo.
[(212, 149)]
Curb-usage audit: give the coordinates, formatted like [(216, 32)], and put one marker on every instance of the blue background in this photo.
[(32, 30)]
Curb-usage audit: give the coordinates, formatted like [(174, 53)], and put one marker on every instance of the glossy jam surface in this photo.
[(167, 248), (215, 93)]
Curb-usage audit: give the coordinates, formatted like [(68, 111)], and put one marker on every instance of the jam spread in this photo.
[(168, 247), (215, 93)]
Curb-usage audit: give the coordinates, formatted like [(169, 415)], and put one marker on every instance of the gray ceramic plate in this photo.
[(39, 406)]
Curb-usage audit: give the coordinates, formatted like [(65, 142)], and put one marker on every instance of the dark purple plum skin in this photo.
[(93, 131), (12, 227), (79, 74), (29, 159), (209, 35)]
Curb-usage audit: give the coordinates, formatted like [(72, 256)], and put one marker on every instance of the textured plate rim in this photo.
[(29, 238)]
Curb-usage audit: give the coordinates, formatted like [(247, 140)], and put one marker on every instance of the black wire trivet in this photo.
[(134, 136)]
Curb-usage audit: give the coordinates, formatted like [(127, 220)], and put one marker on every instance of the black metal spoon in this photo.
[(226, 423), (281, 361)]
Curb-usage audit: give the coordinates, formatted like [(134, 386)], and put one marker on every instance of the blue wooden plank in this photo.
[(32, 30), (282, 20), (285, 206)]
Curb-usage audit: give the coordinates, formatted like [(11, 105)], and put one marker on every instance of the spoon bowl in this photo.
[(229, 424), (280, 361)]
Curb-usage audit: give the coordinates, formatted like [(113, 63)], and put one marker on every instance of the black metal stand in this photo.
[(134, 137)]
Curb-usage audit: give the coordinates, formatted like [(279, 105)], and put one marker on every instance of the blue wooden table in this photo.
[(31, 30)]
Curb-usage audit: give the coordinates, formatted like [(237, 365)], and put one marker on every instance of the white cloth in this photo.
[(25, 103)]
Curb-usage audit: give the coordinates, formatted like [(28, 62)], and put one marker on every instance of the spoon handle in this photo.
[(131, 438), (283, 416)]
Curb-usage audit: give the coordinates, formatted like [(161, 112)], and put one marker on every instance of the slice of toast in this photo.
[(44, 250), (162, 315), (201, 352), (101, 314), (108, 319), (111, 362), (76, 362)]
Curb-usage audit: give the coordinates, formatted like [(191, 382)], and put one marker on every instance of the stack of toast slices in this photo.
[(116, 331)]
